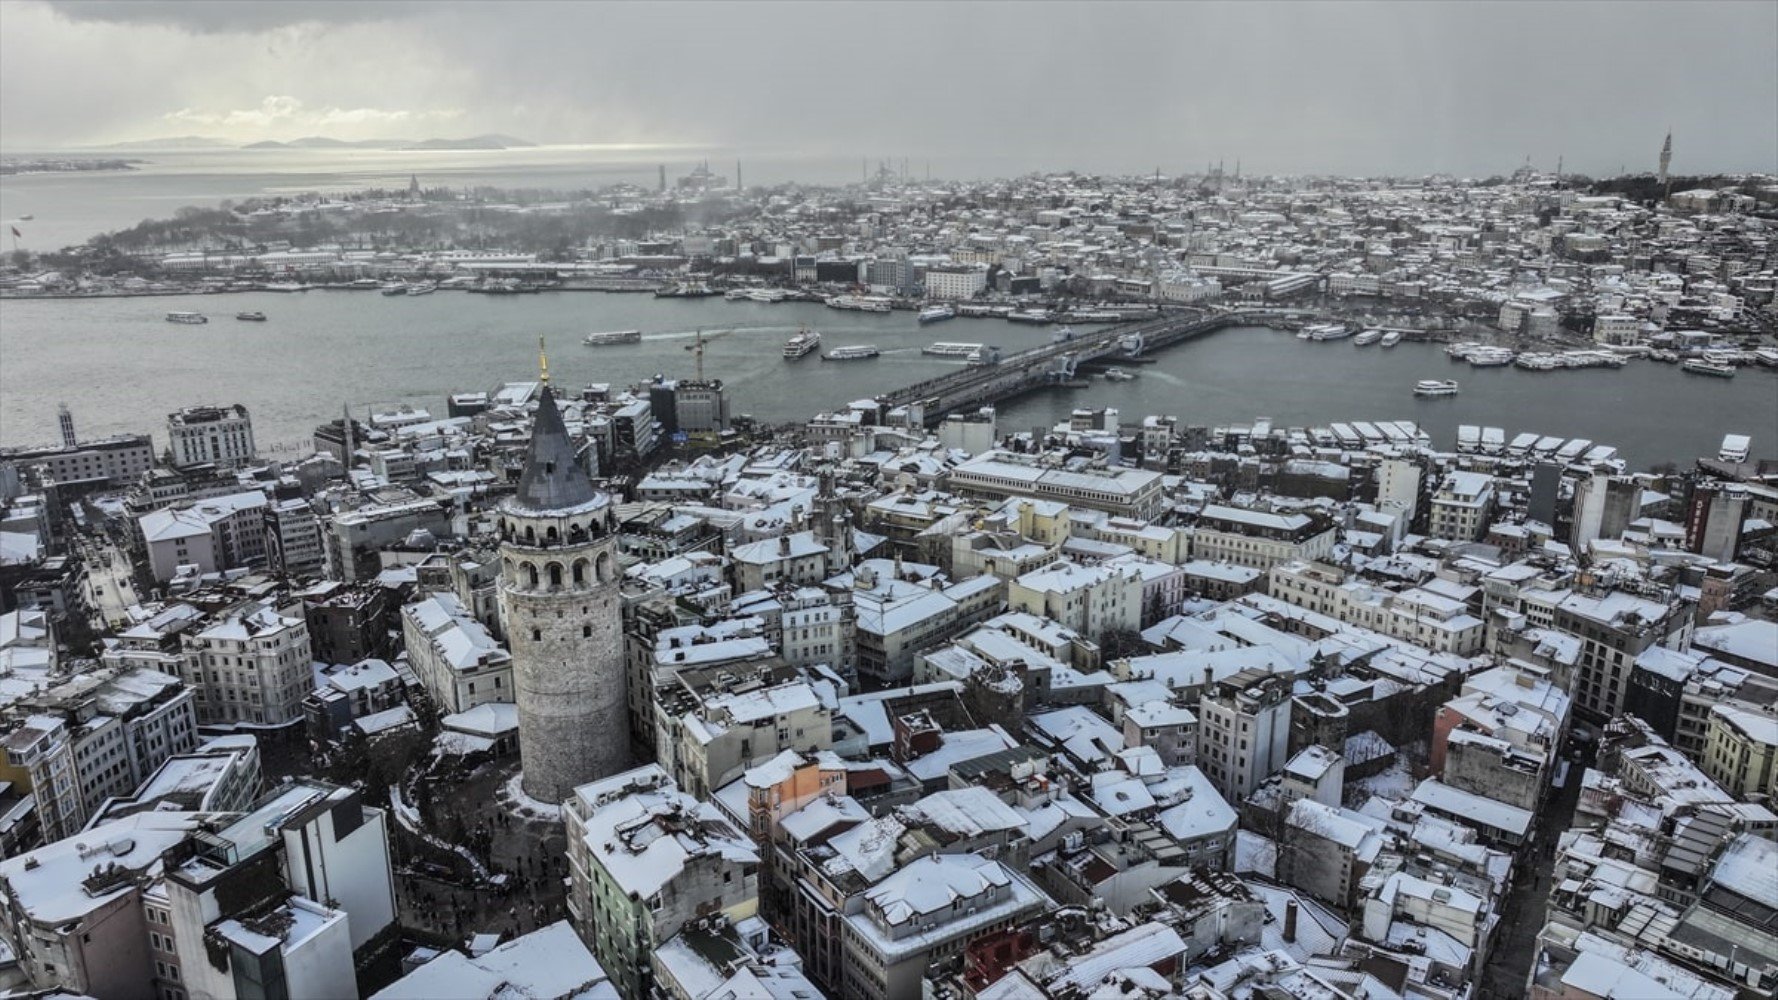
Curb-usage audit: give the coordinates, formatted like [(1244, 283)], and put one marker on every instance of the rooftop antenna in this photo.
[(542, 363)]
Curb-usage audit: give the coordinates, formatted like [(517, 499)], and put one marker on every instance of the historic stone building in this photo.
[(560, 602)]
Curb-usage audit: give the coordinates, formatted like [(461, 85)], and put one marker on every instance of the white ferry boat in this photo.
[(395, 288), (805, 341), (1391, 338), (1698, 366), (860, 303), (607, 338), (1435, 387), (1327, 331), (1460, 350), (1036, 317), (1119, 375), (422, 289), (187, 317), (854, 352), (767, 295), (364, 284), (1367, 338), (945, 349), (251, 317), (735, 294), (936, 314)]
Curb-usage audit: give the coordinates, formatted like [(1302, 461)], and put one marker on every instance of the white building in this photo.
[(211, 535), (454, 656), (211, 435), (1462, 507), (250, 665), (956, 281)]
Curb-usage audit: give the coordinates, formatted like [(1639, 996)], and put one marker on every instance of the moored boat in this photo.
[(1391, 338), (945, 349), (1367, 338), (936, 314), (1699, 366)]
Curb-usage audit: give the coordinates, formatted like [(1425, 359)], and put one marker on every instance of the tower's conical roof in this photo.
[(553, 478)]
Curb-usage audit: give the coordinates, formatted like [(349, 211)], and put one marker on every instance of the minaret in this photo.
[(1666, 159), (66, 419), (559, 598)]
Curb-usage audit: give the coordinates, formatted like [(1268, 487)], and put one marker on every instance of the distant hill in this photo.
[(172, 142), (491, 141)]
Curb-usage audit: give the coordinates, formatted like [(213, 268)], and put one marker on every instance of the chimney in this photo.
[(783, 545), (1290, 922)]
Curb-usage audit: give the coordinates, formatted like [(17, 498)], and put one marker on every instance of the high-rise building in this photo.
[(66, 419), (560, 602)]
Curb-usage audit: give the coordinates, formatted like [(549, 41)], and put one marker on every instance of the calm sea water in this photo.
[(122, 368)]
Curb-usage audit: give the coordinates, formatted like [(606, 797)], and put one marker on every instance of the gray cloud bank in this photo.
[(1324, 87)]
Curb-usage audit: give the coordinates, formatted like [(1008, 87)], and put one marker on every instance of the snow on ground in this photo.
[(1395, 784), (513, 797), (1255, 854)]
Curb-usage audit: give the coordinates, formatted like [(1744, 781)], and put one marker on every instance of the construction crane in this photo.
[(697, 349)]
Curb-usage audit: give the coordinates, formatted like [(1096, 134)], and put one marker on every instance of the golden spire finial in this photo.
[(542, 362)]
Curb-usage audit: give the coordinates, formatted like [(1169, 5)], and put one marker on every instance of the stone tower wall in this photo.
[(566, 635)]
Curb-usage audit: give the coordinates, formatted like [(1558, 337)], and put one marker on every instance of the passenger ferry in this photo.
[(1035, 317), (855, 352), (1367, 338), (251, 317), (735, 295), (805, 341), (1435, 387), (1391, 338), (1326, 331), (187, 317), (1698, 366), (609, 337), (767, 295), (944, 349), (426, 288), (936, 314), (395, 288)]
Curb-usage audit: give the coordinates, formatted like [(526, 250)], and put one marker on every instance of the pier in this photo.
[(1057, 364)]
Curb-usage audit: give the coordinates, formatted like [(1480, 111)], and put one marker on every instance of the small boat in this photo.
[(251, 317), (1367, 338), (187, 317), (735, 295), (936, 314), (1119, 375), (607, 338), (1698, 366), (1435, 387), (395, 289), (1327, 331), (425, 289), (806, 340), (855, 352), (946, 349), (1391, 338), (27, 217)]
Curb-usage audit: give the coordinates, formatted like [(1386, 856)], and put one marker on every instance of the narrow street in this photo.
[(1508, 968)]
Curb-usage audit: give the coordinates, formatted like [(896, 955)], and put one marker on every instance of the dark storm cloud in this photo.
[(1331, 87)]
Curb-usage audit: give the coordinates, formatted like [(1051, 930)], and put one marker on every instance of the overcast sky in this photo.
[(1320, 87)]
